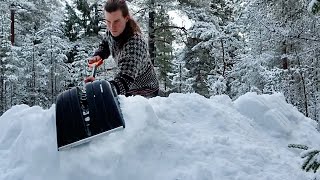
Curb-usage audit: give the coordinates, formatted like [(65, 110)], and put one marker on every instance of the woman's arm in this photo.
[(129, 64), (103, 50)]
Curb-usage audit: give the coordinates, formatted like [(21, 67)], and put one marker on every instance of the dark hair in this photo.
[(114, 5)]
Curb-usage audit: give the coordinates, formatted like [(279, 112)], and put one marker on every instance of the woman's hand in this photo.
[(94, 59), (89, 79)]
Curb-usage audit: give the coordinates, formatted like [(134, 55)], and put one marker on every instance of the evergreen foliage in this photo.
[(311, 157)]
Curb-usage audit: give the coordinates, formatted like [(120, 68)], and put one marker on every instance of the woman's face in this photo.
[(115, 21)]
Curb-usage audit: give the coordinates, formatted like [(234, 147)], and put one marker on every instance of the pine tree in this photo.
[(164, 50), (180, 80), (283, 41), (51, 50), (72, 24), (82, 19), (212, 44), (5, 47), (162, 34), (30, 77)]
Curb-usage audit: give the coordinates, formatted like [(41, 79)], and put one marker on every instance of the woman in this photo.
[(136, 75)]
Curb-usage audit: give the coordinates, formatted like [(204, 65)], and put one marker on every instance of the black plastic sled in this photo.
[(83, 114)]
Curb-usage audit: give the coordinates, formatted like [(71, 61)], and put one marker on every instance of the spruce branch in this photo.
[(298, 146), (312, 157), (312, 160)]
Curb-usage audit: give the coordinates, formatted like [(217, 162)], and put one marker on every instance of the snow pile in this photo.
[(184, 136)]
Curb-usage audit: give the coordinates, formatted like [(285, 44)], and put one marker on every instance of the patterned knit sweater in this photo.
[(135, 75)]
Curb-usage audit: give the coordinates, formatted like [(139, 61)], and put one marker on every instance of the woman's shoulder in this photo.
[(137, 38), (136, 43)]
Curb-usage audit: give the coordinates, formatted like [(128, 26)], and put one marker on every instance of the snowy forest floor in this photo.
[(180, 137)]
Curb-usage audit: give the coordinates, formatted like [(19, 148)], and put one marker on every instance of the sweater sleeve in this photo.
[(129, 64), (103, 51)]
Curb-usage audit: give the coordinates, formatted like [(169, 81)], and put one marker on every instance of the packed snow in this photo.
[(180, 137)]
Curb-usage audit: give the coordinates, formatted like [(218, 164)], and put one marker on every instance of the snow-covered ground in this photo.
[(181, 137)]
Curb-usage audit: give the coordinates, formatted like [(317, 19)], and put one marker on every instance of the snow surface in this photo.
[(181, 137)]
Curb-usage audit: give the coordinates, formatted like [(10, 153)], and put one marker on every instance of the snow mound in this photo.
[(183, 136)]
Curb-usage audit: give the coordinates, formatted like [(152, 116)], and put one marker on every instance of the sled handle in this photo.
[(94, 67), (94, 70)]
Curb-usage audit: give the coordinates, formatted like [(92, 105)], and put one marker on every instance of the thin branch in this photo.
[(161, 40), (303, 38), (292, 37), (141, 10), (171, 27), (174, 27)]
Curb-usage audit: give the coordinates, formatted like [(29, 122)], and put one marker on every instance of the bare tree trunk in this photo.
[(1, 93), (55, 78), (5, 96), (1, 85), (152, 48), (11, 93), (304, 88), (52, 73), (223, 59), (12, 26), (180, 69), (284, 59), (260, 43), (165, 85), (33, 80), (305, 95)]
